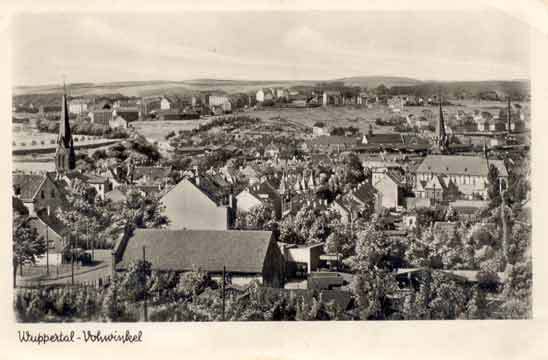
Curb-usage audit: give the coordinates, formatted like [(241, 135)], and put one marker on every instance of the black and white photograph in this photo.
[(264, 166)]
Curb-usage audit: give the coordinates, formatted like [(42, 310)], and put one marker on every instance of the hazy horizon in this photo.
[(483, 45)]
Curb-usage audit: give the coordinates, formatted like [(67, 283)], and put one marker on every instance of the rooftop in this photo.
[(461, 165), (183, 250)]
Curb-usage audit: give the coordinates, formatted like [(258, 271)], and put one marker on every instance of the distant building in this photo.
[(150, 104), (259, 194), (281, 93), (222, 100), (320, 130), (101, 184), (150, 175), (331, 143), (127, 103), (245, 255), (101, 117), (332, 98), (78, 106), (272, 151), (168, 102), (127, 114), (264, 96), (118, 122), (382, 139)]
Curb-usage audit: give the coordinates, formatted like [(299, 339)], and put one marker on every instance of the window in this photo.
[(42, 195)]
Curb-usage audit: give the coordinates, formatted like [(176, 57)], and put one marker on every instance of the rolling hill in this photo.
[(397, 85)]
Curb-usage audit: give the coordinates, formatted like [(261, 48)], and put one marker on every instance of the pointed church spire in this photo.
[(440, 138), (65, 157)]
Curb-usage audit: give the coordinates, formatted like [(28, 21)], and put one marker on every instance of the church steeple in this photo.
[(440, 138), (65, 157)]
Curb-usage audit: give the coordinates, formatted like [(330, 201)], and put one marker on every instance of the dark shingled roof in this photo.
[(183, 250), (334, 140), (389, 138), (128, 115), (26, 186), (87, 178)]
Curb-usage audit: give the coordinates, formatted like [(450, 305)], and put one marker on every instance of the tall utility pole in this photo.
[(47, 248), (504, 224), (145, 310), (72, 259), (223, 292)]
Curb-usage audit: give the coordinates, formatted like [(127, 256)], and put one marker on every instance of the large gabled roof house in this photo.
[(199, 203), (245, 255), (37, 192)]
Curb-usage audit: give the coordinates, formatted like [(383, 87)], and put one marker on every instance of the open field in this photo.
[(334, 116), (362, 117), (157, 130), (146, 88)]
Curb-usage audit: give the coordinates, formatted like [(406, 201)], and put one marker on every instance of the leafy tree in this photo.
[(27, 245), (339, 242), (139, 211), (477, 308), (288, 233), (373, 282), (112, 308), (372, 290), (439, 298), (488, 279), (136, 282), (260, 217), (381, 90), (353, 172), (193, 283), (518, 243), (517, 291)]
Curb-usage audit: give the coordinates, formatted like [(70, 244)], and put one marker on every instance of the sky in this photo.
[(426, 45)]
